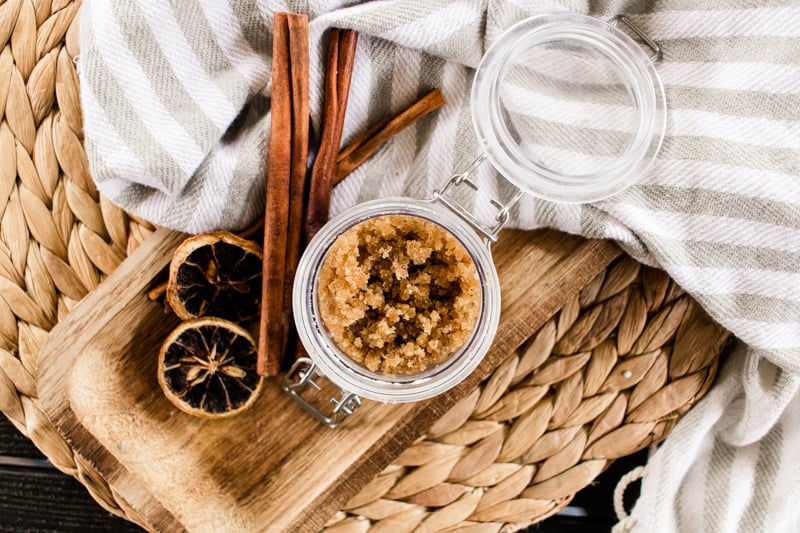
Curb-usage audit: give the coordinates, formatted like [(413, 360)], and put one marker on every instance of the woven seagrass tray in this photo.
[(610, 373)]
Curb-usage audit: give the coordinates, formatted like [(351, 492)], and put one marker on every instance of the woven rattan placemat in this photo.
[(610, 374)]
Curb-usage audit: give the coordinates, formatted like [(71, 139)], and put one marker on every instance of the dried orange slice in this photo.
[(207, 368), (216, 274)]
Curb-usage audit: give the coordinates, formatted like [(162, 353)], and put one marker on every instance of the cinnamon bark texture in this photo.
[(298, 43), (288, 152), (339, 70), (368, 142)]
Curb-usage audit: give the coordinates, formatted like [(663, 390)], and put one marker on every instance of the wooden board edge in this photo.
[(52, 383), (152, 515), (83, 323)]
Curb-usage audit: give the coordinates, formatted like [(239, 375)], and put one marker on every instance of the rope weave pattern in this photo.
[(610, 374), (58, 237)]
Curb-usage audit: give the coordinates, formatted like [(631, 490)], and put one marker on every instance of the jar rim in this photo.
[(523, 166), (352, 377)]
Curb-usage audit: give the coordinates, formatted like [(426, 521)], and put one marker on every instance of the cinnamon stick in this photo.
[(348, 40), (285, 156), (368, 143), (338, 74), (298, 43), (158, 291)]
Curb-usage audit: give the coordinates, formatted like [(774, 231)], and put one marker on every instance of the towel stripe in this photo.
[(135, 87), (185, 62)]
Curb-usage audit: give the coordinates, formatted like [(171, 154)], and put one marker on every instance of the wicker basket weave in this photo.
[(609, 375)]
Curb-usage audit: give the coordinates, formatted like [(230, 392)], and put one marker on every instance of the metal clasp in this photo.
[(466, 178), (657, 54), (343, 406)]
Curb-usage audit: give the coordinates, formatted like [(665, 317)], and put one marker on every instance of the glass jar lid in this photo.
[(568, 107)]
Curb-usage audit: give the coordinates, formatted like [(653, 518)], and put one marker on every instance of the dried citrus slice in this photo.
[(216, 274), (207, 368)]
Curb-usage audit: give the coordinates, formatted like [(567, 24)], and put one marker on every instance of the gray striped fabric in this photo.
[(175, 96)]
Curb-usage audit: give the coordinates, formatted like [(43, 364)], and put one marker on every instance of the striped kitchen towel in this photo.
[(176, 103)]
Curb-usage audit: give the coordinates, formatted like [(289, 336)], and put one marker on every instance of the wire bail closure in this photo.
[(657, 53), (467, 178), (343, 406)]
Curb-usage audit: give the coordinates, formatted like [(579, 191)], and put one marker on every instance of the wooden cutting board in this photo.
[(272, 467)]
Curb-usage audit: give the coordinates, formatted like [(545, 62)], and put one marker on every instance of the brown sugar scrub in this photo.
[(398, 294)]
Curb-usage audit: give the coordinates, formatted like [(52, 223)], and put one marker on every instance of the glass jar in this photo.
[(566, 107), (354, 378), (569, 108)]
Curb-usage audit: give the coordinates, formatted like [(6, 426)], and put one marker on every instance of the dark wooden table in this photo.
[(34, 496)]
